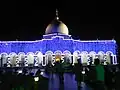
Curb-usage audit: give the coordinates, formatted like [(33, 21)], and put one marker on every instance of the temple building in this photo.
[(56, 44)]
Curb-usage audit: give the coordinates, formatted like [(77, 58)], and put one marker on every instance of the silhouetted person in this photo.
[(91, 77), (60, 72), (8, 81), (1, 80), (67, 66), (114, 77), (49, 68), (43, 81), (1, 62), (108, 78), (118, 78), (78, 75)]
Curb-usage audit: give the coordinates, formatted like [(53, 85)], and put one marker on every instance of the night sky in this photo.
[(86, 20)]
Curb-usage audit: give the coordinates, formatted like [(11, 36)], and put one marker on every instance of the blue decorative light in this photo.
[(60, 42)]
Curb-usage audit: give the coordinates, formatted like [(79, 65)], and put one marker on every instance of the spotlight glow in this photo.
[(42, 73), (20, 71), (36, 79), (83, 72)]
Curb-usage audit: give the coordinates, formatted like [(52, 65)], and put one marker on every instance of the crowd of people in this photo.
[(10, 80), (97, 77)]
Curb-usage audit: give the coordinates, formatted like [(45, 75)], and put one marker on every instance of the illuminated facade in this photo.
[(56, 44)]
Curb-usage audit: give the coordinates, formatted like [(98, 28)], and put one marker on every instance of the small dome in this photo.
[(57, 26)]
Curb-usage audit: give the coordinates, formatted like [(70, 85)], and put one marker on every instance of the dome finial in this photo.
[(57, 15)]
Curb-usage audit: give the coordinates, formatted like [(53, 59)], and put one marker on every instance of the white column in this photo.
[(70, 57), (4, 59), (114, 59), (75, 59), (44, 61), (26, 61), (36, 60), (17, 61), (8, 61)]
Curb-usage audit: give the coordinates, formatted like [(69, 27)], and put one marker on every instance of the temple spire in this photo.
[(57, 15)]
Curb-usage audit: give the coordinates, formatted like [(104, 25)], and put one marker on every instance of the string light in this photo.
[(58, 43)]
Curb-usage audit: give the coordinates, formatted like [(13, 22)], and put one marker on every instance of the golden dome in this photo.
[(56, 27)]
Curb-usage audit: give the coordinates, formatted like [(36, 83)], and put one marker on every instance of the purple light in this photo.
[(55, 43)]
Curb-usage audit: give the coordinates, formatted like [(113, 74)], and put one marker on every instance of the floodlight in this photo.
[(36, 79), (19, 71), (83, 72), (41, 73)]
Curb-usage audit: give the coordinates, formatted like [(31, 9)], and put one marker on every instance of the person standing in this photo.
[(118, 78), (60, 71), (78, 75), (99, 83), (108, 78)]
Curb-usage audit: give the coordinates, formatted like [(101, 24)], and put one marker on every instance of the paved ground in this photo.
[(69, 82)]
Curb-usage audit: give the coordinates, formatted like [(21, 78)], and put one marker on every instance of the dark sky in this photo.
[(27, 20)]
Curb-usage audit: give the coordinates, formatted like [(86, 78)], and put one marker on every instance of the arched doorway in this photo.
[(58, 56), (49, 57), (93, 55), (14, 59), (101, 56), (38, 58), (67, 56), (4, 57), (30, 58), (109, 57), (76, 56), (84, 57), (21, 58)]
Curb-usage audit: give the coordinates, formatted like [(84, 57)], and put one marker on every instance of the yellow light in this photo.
[(57, 59)]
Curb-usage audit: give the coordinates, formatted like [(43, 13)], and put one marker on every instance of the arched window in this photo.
[(21, 58), (48, 57), (109, 57), (67, 56), (93, 55), (30, 58), (76, 55), (4, 58), (84, 57), (13, 59), (39, 57), (58, 55), (101, 55)]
